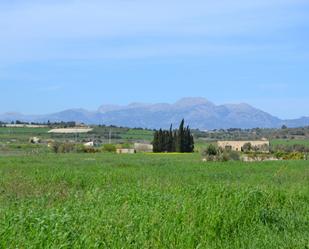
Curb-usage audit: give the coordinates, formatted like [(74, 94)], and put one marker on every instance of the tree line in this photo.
[(179, 140)]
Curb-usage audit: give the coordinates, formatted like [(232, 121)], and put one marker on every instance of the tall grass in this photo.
[(152, 201)]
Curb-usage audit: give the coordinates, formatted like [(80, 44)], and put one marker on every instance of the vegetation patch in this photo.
[(155, 201)]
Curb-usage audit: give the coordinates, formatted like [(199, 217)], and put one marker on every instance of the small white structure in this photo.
[(24, 126), (70, 130), (142, 147), (34, 140), (89, 144), (125, 151)]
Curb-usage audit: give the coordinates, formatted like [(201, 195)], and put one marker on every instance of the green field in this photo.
[(21, 134), (304, 142), (118, 134), (138, 134), (151, 201)]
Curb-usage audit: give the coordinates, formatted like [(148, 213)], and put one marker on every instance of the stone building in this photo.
[(125, 151), (143, 147), (262, 146)]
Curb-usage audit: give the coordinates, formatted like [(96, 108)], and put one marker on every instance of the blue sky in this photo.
[(64, 54)]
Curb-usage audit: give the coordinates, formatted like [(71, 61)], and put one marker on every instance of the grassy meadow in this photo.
[(290, 142), (151, 201)]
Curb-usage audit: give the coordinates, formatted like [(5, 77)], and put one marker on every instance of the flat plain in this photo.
[(151, 201)]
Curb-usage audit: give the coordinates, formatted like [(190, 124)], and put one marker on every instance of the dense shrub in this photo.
[(247, 147), (109, 148), (213, 153), (289, 148), (233, 156), (62, 147), (291, 155), (228, 155), (211, 150), (56, 147), (87, 149), (279, 154), (294, 156), (71, 147)]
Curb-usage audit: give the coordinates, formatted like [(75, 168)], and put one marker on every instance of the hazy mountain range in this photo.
[(198, 112)]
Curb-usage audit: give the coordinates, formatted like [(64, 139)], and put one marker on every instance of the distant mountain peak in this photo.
[(12, 113), (198, 112), (192, 101), (137, 105), (240, 107), (108, 108)]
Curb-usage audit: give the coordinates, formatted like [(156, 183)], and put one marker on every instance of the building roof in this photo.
[(70, 130)]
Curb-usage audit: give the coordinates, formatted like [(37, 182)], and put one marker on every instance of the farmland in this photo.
[(146, 200), (290, 142), (16, 140), (151, 201)]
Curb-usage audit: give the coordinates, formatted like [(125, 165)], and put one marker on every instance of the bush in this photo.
[(287, 149), (62, 147), (247, 147), (234, 156), (294, 156), (56, 147), (109, 148), (67, 148), (279, 154), (291, 155), (126, 146), (211, 150), (87, 149), (229, 156), (213, 153)]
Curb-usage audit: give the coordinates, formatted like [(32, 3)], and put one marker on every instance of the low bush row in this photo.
[(213, 153), (79, 148)]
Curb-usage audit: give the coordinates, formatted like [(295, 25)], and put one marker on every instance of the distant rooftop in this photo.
[(70, 130), (25, 126)]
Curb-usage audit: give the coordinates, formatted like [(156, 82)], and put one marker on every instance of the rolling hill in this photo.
[(198, 112)]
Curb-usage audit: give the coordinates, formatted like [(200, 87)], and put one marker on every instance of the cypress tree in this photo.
[(180, 140), (160, 141), (186, 142), (175, 138), (165, 147), (155, 142), (191, 143), (170, 139)]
